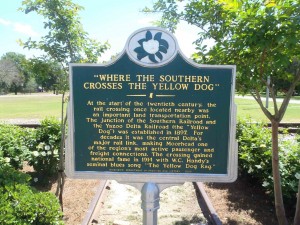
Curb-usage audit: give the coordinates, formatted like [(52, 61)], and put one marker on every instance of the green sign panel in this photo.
[(152, 115)]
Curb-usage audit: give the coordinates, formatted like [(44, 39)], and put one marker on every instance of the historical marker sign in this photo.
[(152, 115)]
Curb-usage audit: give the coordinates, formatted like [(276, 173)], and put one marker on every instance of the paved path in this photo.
[(30, 95), (293, 101)]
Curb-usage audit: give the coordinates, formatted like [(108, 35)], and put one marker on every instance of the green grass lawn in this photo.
[(41, 106), (30, 107), (250, 108)]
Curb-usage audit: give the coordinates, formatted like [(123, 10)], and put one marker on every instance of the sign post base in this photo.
[(150, 203), (150, 199)]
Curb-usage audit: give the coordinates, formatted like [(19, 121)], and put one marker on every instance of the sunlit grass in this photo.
[(30, 107), (250, 108)]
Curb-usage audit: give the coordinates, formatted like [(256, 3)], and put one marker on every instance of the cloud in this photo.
[(5, 22), (146, 21), (22, 28), (25, 29), (186, 35)]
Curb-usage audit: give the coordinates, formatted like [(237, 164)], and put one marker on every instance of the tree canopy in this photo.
[(14, 73), (66, 40), (261, 39), (47, 73)]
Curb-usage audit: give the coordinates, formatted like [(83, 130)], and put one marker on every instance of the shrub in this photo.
[(10, 177), (289, 167), (255, 144), (14, 145), (21, 204), (44, 155), (255, 157)]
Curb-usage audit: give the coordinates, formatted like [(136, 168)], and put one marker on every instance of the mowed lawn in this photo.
[(35, 106), (247, 108), (40, 106)]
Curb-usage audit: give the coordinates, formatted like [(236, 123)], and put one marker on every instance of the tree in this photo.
[(14, 74), (31, 86), (261, 38), (66, 42), (46, 72), (9, 75)]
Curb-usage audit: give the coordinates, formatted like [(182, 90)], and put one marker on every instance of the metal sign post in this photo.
[(150, 195), (150, 203)]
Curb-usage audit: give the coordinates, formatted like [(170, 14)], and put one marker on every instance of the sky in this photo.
[(104, 20)]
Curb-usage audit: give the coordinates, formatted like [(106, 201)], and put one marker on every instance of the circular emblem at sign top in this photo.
[(152, 47)]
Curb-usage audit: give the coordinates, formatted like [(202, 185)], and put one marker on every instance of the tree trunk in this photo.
[(297, 214), (279, 206)]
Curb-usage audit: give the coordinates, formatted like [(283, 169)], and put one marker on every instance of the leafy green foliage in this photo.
[(262, 40), (10, 176), (31, 86), (254, 148), (66, 40), (14, 72), (289, 167), (20, 204), (45, 149), (14, 145), (48, 74), (255, 157), (39, 147), (11, 77)]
